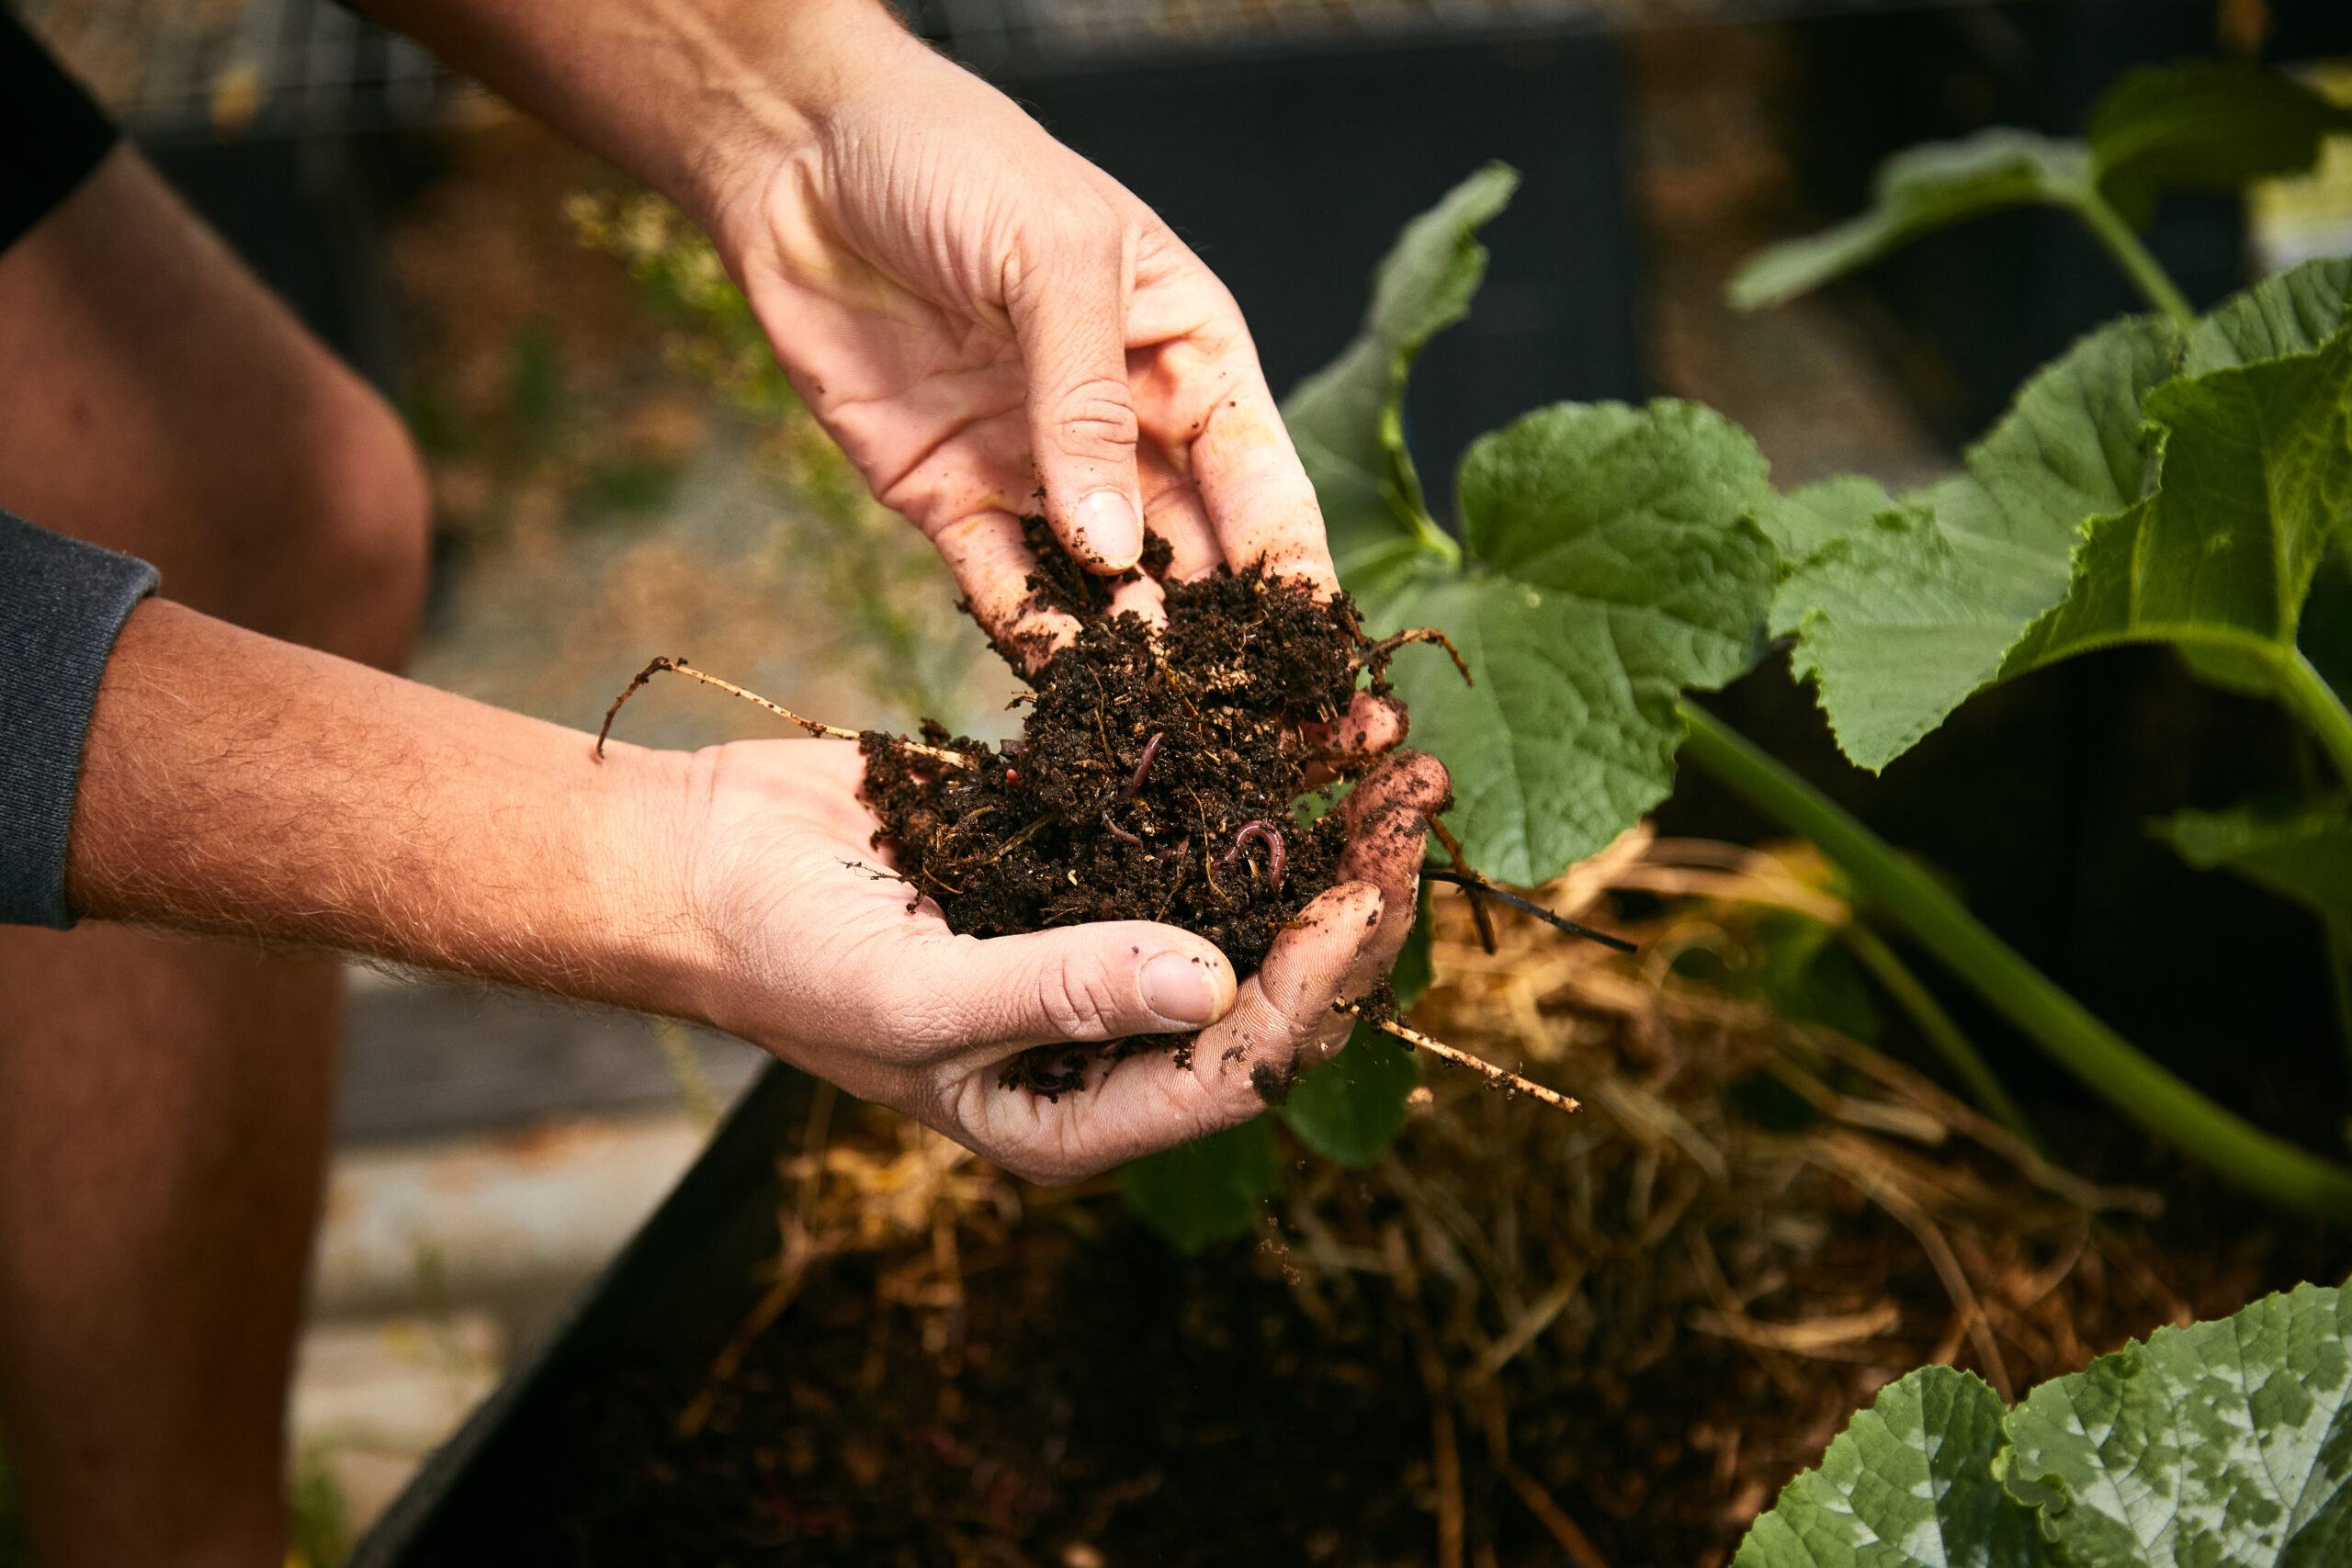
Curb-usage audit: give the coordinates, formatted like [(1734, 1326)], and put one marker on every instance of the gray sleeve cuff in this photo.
[(62, 603)]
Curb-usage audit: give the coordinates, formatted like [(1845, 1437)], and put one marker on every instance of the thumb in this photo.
[(1083, 983), (1069, 316)]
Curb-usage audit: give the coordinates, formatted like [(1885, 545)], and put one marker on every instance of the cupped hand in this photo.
[(992, 327), (835, 965)]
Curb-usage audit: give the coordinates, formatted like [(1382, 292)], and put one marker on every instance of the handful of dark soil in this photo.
[(1153, 780)]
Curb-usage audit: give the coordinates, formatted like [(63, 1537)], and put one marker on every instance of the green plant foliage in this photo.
[(1207, 1191), (1608, 560), (1906, 607), (2204, 125), (1352, 1107), (1347, 420), (1413, 972), (1908, 1484), (1915, 192), (2256, 475), (318, 1533), (1611, 562), (2148, 486), (2223, 1443)]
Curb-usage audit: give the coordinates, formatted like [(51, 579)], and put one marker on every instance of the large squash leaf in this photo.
[(1613, 562), (1909, 1483), (2145, 487), (2256, 480), (2222, 1445), (1905, 608), (1347, 420), (2223, 1442), (1610, 559)]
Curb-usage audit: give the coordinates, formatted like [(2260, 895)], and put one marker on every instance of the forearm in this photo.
[(238, 785), (680, 92)]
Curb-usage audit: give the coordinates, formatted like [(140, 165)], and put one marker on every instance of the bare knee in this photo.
[(358, 532)]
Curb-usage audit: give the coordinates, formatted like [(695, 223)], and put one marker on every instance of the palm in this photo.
[(883, 998)]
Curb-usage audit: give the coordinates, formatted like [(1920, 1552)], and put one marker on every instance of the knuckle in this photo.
[(1095, 417), (1075, 999)]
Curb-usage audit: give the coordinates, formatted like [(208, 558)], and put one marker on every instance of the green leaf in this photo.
[(1916, 192), (2143, 488), (1613, 564), (1806, 519), (2206, 124), (1414, 969), (1907, 1484), (2295, 312), (2222, 1443), (1906, 609), (1347, 420), (2257, 478), (1207, 1191), (1352, 1107)]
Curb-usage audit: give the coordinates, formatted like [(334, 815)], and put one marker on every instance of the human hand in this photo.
[(824, 963), (991, 326)]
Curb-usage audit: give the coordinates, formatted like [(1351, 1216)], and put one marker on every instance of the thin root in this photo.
[(1441, 1049), (1486, 921), (1470, 879), (1379, 651), (830, 731)]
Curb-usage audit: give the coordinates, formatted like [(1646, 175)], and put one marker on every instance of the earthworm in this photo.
[(1267, 834), (1150, 749), (1118, 832)]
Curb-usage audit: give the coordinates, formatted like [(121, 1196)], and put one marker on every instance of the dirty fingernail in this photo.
[(1179, 988), (1108, 529)]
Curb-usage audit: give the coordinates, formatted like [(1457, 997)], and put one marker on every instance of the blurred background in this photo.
[(619, 474)]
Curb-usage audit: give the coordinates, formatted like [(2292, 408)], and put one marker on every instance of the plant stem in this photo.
[(2306, 692), (2156, 287), (1942, 1032), (2059, 1024)]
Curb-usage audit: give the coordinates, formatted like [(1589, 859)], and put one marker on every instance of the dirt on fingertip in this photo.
[(1154, 777)]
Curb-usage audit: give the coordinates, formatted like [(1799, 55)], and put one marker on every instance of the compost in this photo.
[(1154, 778)]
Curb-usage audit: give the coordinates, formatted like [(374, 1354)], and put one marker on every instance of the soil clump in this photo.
[(1154, 778)]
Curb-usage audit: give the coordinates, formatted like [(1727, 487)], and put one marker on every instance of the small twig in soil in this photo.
[(1440, 1049), (1395, 640), (1472, 879), (1266, 833), (1022, 837), (830, 731), (1486, 921)]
